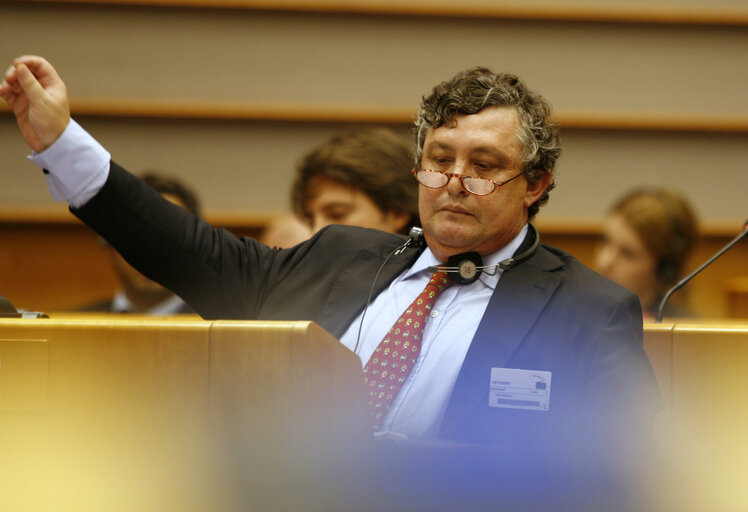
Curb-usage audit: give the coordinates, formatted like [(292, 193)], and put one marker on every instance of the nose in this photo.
[(461, 167), (454, 185)]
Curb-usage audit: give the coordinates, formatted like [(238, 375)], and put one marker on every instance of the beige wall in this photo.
[(374, 60)]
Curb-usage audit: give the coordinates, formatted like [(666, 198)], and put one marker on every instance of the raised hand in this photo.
[(39, 100)]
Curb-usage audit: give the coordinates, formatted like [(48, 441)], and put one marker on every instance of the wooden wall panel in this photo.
[(642, 99), (647, 72), (56, 263), (689, 12), (248, 166)]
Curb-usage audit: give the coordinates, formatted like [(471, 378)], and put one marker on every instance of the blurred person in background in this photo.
[(647, 238), (285, 230), (360, 178), (136, 293)]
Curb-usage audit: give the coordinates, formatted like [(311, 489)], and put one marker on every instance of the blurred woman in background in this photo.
[(647, 239)]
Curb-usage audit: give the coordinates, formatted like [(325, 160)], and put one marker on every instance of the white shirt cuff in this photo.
[(78, 166)]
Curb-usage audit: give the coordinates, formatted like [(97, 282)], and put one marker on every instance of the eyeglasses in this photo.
[(473, 184)]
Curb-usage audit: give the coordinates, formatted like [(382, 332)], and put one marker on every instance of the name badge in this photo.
[(520, 389)]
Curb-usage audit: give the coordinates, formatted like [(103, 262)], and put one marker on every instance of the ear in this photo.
[(535, 190), (397, 220)]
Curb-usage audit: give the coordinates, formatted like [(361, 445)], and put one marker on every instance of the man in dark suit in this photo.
[(537, 354)]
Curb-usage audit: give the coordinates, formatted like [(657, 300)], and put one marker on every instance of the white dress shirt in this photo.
[(77, 166)]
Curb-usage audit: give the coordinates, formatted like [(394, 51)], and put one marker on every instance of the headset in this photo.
[(466, 267), (416, 240)]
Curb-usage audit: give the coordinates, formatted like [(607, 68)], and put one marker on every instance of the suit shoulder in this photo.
[(339, 235), (579, 276)]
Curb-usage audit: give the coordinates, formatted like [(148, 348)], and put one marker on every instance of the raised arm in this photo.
[(39, 99), (219, 275)]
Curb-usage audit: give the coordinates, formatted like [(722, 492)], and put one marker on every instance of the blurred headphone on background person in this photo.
[(669, 265)]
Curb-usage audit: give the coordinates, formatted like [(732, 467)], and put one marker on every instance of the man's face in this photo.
[(331, 202), (483, 144)]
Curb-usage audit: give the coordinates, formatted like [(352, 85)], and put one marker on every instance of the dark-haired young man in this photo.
[(357, 177)]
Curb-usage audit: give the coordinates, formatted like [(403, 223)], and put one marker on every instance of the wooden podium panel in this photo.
[(703, 432), (120, 414), (111, 413), (710, 401), (284, 367), (658, 344), (315, 425), (97, 414)]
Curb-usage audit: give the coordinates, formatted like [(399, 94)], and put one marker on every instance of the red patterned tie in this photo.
[(396, 354)]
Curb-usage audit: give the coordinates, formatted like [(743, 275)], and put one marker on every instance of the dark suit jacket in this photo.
[(548, 313)]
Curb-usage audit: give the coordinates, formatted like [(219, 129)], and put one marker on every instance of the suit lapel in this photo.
[(519, 298), (348, 295)]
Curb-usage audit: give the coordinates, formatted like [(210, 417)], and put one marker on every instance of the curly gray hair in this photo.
[(471, 91)]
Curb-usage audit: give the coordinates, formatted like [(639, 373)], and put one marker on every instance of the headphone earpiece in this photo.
[(668, 267), (467, 265), (667, 271), (465, 268)]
